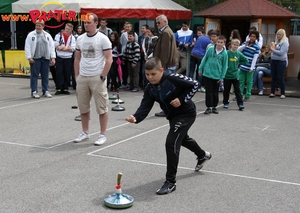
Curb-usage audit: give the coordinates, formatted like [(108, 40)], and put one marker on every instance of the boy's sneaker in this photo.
[(47, 94), (167, 188), (202, 90), (261, 93), (201, 161), (35, 95), (66, 92), (101, 140), (241, 107), (134, 90), (58, 92), (112, 97), (226, 106), (81, 137), (215, 110), (122, 86), (207, 111), (78, 118)]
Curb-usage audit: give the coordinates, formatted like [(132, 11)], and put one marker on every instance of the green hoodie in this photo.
[(214, 65), (234, 60)]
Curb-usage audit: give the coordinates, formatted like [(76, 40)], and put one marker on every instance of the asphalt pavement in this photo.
[(254, 166)]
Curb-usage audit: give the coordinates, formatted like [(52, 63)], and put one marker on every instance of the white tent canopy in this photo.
[(24, 6)]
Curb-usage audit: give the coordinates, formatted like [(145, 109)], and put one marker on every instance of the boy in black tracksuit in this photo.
[(174, 93)]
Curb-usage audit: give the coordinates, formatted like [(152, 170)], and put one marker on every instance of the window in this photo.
[(268, 32)]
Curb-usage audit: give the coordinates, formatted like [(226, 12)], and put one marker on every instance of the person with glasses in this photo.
[(165, 48)]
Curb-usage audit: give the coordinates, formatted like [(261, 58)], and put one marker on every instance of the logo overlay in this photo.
[(60, 15)]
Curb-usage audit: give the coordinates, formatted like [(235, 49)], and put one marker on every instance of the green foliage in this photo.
[(199, 5)]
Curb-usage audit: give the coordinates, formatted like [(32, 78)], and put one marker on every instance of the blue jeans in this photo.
[(170, 70), (39, 66), (260, 72), (277, 72)]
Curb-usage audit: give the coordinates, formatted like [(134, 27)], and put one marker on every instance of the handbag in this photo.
[(266, 65)]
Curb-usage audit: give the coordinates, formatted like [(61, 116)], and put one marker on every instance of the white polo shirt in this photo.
[(92, 58)]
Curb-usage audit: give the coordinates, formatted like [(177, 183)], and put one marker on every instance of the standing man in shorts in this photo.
[(93, 59)]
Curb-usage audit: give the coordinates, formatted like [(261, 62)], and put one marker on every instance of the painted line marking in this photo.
[(205, 171), (33, 102), (264, 128)]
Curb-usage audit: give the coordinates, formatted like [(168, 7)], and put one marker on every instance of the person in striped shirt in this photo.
[(251, 50), (132, 55)]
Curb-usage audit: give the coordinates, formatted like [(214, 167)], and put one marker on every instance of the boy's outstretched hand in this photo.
[(175, 103), (131, 119)]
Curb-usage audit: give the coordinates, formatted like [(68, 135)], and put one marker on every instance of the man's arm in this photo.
[(76, 62), (108, 61)]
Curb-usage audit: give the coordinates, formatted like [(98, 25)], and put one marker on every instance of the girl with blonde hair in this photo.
[(279, 62)]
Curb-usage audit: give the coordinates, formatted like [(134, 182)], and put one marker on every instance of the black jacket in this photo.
[(171, 86)]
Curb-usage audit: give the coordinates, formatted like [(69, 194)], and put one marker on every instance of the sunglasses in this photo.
[(158, 22)]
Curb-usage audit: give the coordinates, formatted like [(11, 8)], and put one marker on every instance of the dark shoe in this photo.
[(58, 92), (246, 99), (226, 106), (66, 92), (201, 161), (241, 107), (160, 114), (215, 111), (167, 188), (207, 111)]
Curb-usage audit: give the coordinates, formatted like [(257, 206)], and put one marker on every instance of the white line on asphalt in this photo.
[(205, 171), (20, 144), (114, 127), (122, 141), (278, 105), (32, 102)]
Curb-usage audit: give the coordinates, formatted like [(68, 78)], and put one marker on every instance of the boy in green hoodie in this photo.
[(235, 58), (213, 67)]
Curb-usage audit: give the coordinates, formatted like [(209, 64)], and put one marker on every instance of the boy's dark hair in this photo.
[(186, 23), (153, 63), (256, 33), (209, 32), (103, 19), (146, 26), (131, 33), (201, 29), (152, 30), (222, 37), (215, 32)]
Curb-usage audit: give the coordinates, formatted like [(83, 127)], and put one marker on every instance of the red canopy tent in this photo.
[(141, 9)]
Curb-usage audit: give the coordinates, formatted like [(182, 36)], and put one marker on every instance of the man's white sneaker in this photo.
[(101, 140), (81, 137), (47, 94), (261, 93), (35, 95)]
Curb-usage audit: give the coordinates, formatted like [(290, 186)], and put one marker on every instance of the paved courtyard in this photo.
[(254, 167)]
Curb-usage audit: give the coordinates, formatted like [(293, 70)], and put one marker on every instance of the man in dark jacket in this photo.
[(165, 48)]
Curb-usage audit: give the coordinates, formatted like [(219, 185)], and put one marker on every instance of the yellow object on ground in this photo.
[(16, 59)]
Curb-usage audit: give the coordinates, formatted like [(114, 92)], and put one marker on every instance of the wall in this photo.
[(294, 64)]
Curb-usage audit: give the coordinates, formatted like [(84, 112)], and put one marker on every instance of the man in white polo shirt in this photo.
[(93, 59)]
